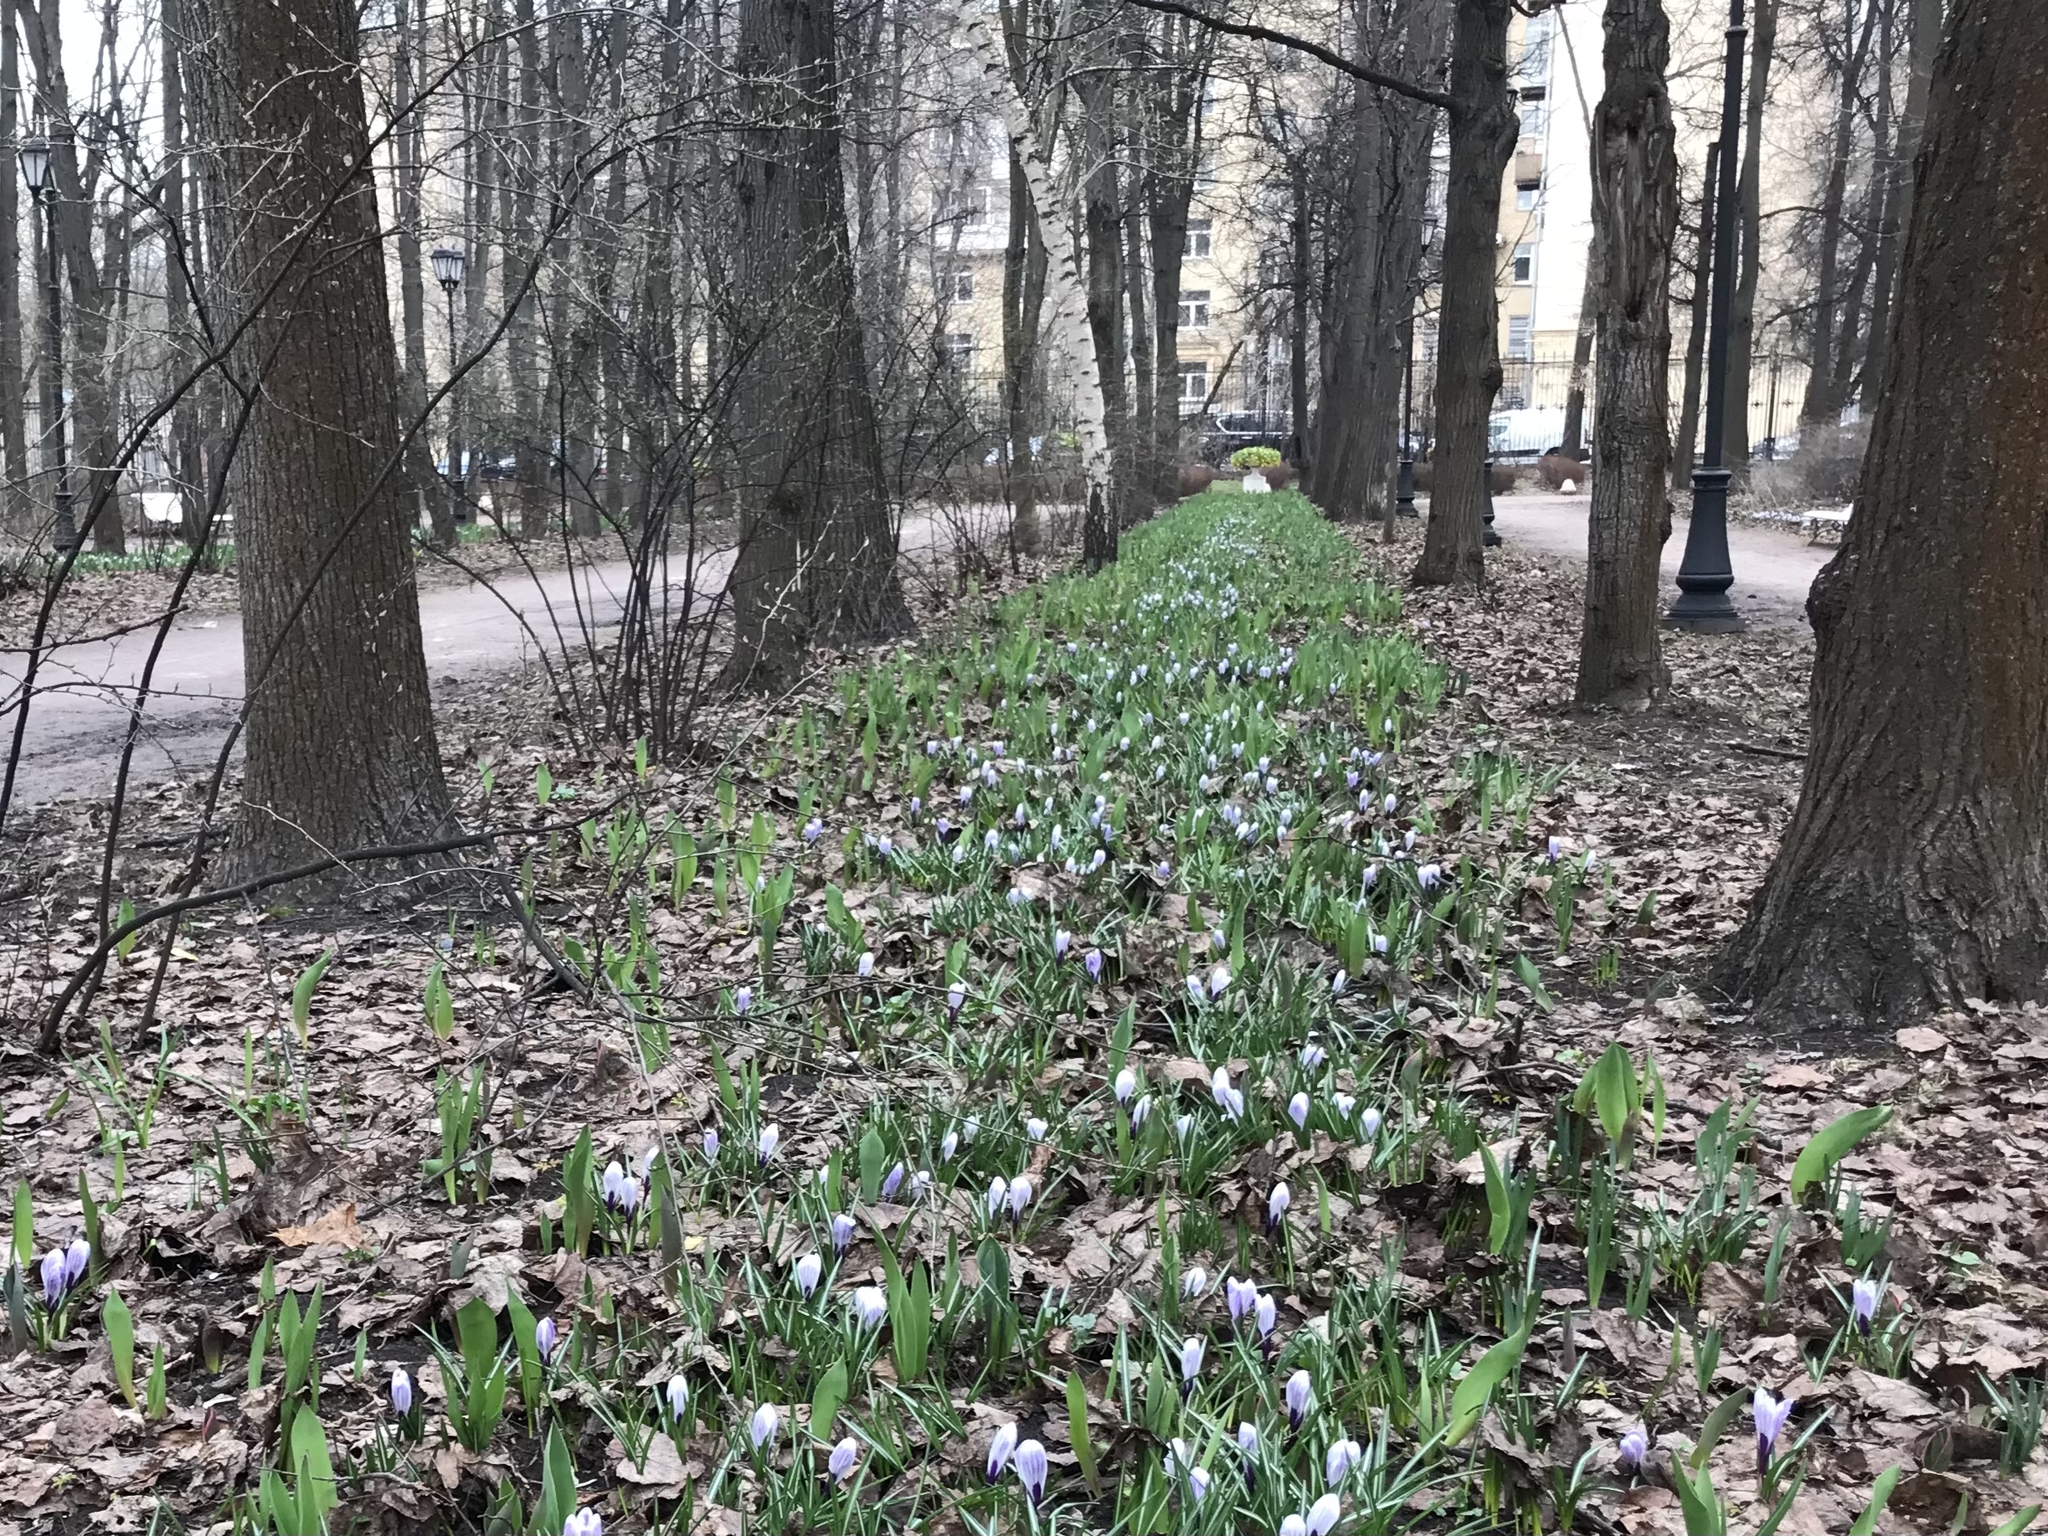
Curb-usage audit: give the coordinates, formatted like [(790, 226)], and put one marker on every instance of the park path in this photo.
[(79, 717), (1773, 570)]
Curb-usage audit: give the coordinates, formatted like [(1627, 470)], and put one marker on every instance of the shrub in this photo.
[(1195, 479), (1254, 458), (1554, 469), (1826, 470)]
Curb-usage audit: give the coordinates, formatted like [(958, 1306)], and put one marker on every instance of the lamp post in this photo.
[(42, 192), (449, 262), (1404, 493), (1706, 574)]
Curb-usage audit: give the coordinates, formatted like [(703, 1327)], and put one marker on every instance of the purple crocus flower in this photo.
[(1241, 1296), (956, 999), (1300, 1398), (808, 1269), (545, 1337), (1000, 1449), (1093, 959), (584, 1522), (1770, 1416), (1248, 1450), (1190, 1365), (1280, 1199), (893, 1182), (763, 1426), (1297, 1111), (844, 1454), (1323, 1516), (1866, 1294), (870, 1306), (401, 1392), (842, 1231), (1635, 1445), (1339, 1459), (711, 1144), (1031, 1470), (54, 1282), (742, 1000)]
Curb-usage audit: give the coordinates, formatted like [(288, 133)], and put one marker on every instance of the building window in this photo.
[(1205, 172), (1534, 65), (1194, 309), (957, 285), (1526, 193), (1525, 264), (1533, 113), (967, 207), (959, 350), (1194, 384), (1520, 344), (1197, 242)]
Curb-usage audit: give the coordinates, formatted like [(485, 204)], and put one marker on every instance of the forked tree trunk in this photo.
[(1635, 206), (817, 553), (1468, 359), (1914, 874), (341, 751)]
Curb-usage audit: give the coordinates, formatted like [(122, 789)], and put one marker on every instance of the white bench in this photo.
[(1819, 525)]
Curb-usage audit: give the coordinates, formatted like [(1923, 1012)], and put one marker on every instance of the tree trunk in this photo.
[(1763, 47), (1468, 357), (1686, 446), (1924, 44), (1914, 874), (1820, 405), (1582, 348), (1102, 215), (1024, 263), (186, 477), (17, 514), (340, 742), (817, 546), (408, 170), (1635, 206), (1172, 90), (1141, 494), (1305, 455)]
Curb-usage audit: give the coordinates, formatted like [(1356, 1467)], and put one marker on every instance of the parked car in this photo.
[(1228, 431), (1525, 434)]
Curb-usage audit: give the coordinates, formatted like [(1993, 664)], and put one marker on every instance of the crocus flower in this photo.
[(1031, 1470), (621, 1189), (870, 1306), (1035, 1128), (1280, 1199), (1141, 1111), (767, 1419), (584, 1522), (1338, 1460), (401, 1392), (842, 1232), (1198, 1483), (1769, 1415), (1297, 1111), (1126, 1085), (1241, 1296), (808, 1268), (1182, 1125), (1343, 1104), (893, 1181), (54, 1282), (1196, 990), (1219, 978), (1323, 1515), (1369, 1124), (1248, 1450), (1193, 1281), (76, 1259), (1265, 1314), (711, 1145), (1301, 1397), (1092, 961), (771, 1138), (865, 965), (1060, 938), (678, 1396), (1020, 1196), (998, 1193), (1190, 1364), (544, 1339), (1635, 1445), (1000, 1450), (812, 829), (1313, 1055), (1867, 1293), (1429, 876), (920, 1181), (1293, 1525), (844, 1454), (970, 1128), (743, 999), (956, 999), (1552, 851), (1228, 1099), (948, 1145)]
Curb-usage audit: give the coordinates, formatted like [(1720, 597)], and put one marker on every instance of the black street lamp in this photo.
[(449, 263), (1706, 573), (1404, 493), (42, 192)]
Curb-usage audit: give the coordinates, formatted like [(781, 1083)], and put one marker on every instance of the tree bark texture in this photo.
[(1102, 224), (1686, 446), (1468, 358), (17, 514), (817, 553), (1925, 43), (1763, 47), (1820, 404), (1914, 874), (408, 170), (340, 741), (1635, 206)]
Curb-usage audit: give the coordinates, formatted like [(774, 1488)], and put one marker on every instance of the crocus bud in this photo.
[(1294, 1525), (842, 1232), (1339, 1459), (920, 1181), (1060, 940), (1343, 1104), (1242, 1296), (808, 1268), (1092, 961), (1198, 1484), (743, 999), (1297, 1111), (711, 1144), (401, 1392), (1369, 1123), (844, 1454), (956, 999), (544, 1339), (970, 1128), (1338, 983), (1323, 1515), (998, 1193), (1196, 990), (949, 1146), (1190, 1364), (1247, 1451), (1429, 876), (1276, 1205), (678, 1395), (1228, 1099), (865, 966), (1020, 1196), (1141, 1111), (1000, 1450), (1866, 1294), (1770, 1416), (1126, 1085), (1313, 1056), (1219, 978), (1265, 1313), (893, 1181), (1031, 1470), (1635, 1445), (1193, 1281), (76, 1258), (771, 1138), (767, 1419), (1301, 1397), (870, 1306), (584, 1522), (1036, 1128), (54, 1283)]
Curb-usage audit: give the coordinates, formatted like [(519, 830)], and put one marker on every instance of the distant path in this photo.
[(1773, 570), (79, 718)]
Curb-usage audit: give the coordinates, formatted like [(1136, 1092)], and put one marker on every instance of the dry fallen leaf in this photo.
[(335, 1226), (1921, 1040)]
